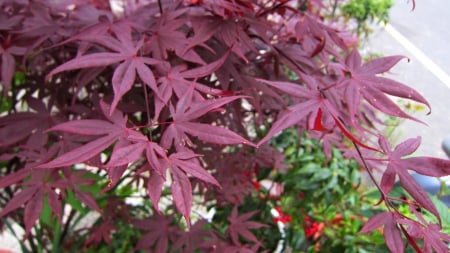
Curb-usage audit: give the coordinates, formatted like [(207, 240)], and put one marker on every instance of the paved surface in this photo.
[(423, 36)]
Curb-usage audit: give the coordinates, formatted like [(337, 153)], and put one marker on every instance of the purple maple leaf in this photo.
[(240, 226), (158, 233), (399, 166), (187, 111), (361, 81), (391, 233), (128, 55)]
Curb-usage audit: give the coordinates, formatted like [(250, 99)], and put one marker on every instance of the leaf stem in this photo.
[(67, 225), (147, 109), (160, 7), (369, 171)]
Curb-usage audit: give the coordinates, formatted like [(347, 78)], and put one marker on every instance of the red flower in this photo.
[(256, 185), (281, 217), (337, 219), (313, 229), (301, 195)]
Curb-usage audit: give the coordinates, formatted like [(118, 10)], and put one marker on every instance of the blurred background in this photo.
[(422, 35)]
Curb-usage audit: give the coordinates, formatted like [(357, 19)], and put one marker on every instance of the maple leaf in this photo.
[(232, 33), (20, 126), (399, 166), (189, 241), (361, 81), (100, 233), (155, 185), (108, 131), (240, 226), (391, 233), (186, 111), (32, 196), (228, 10), (8, 63), (182, 193), (158, 233), (88, 150), (167, 37), (177, 82), (73, 180), (189, 163), (181, 164), (315, 38), (9, 22), (130, 63), (321, 112), (433, 237)]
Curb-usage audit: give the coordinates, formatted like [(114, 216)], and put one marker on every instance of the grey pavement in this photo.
[(427, 34)]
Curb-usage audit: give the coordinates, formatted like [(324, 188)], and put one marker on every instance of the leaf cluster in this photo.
[(177, 100)]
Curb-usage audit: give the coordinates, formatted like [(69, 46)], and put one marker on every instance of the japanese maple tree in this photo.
[(183, 96)]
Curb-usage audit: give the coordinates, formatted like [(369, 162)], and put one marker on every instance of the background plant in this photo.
[(173, 103), (363, 11)]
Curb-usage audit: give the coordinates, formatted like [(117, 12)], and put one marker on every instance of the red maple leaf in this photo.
[(158, 233), (184, 115), (362, 81), (240, 226), (399, 166), (127, 54), (391, 230)]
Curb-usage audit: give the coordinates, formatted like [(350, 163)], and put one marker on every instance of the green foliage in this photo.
[(326, 198), (366, 11)]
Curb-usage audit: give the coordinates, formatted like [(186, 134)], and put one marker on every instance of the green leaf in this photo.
[(443, 211), (74, 202), (46, 214)]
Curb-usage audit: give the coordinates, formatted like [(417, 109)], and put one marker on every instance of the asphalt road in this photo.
[(423, 36)]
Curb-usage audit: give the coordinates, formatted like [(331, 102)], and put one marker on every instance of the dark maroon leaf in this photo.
[(100, 234), (194, 80), (399, 166), (433, 239), (392, 233), (240, 226), (13, 178), (114, 174), (158, 232), (189, 163), (87, 199), (19, 199), (189, 241), (33, 211), (54, 201), (187, 111), (360, 80), (85, 127), (17, 127), (126, 154), (154, 188), (182, 193), (157, 158), (82, 153), (212, 134)]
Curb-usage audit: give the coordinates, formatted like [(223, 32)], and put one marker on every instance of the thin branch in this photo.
[(160, 7), (147, 109), (67, 226), (384, 197)]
